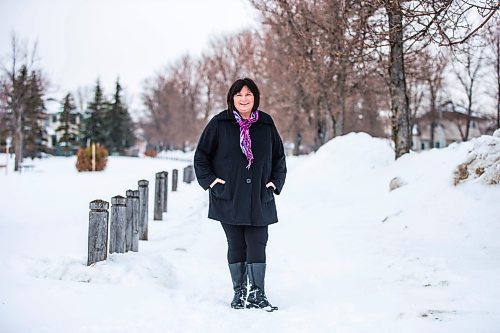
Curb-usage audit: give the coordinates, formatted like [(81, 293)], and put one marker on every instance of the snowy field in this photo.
[(348, 255)]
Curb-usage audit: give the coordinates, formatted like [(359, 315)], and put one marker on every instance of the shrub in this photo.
[(150, 153), (84, 158)]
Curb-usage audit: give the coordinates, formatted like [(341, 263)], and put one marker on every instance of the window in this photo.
[(437, 144), (423, 145)]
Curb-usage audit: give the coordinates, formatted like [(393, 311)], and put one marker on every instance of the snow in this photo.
[(483, 161), (348, 254)]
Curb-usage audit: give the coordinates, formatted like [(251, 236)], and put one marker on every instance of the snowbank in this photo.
[(348, 254), (482, 162)]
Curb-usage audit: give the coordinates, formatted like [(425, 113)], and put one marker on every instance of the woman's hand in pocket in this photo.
[(217, 180), (271, 184)]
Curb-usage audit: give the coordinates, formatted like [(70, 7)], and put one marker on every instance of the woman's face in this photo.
[(243, 102)]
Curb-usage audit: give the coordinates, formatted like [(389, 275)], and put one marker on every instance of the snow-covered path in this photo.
[(347, 255)]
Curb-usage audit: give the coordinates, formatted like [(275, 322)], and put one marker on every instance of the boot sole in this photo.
[(266, 308)]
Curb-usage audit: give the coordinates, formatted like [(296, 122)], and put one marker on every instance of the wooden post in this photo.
[(175, 178), (93, 156), (165, 190), (135, 221), (158, 210), (191, 172), (118, 221), (129, 221), (98, 231), (143, 209), (184, 174)]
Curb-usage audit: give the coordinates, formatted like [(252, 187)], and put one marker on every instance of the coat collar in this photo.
[(263, 117)]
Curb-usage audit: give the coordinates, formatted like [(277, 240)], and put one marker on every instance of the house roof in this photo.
[(448, 118)]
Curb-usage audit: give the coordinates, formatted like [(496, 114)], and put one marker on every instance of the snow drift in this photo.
[(348, 254)]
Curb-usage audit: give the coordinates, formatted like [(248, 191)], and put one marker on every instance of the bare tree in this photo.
[(173, 110), (325, 66), (228, 58), (493, 43), (366, 97), (82, 97), (426, 79), (467, 68), (211, 96), (16, 92), (401, 133), (416, 24), (315, 41)]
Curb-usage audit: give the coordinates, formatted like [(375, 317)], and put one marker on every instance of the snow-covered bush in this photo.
[(482, 161)]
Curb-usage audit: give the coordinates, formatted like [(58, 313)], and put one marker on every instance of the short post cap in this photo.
[(99, 205), (118, 200)]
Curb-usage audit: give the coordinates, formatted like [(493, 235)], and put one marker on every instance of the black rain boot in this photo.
[(256, 295), (239, 277)]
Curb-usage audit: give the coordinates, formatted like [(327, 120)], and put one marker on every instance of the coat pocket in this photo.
[(268, 194), (221, 191)]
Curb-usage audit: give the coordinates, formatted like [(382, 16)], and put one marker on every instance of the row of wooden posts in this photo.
[(129, 216)]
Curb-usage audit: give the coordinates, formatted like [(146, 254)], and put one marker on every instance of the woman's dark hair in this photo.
[(236, 88)]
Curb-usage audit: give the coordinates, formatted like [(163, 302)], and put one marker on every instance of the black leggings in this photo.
[(245, 243)]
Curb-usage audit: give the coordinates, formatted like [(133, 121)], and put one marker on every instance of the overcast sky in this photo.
[(80, 40)]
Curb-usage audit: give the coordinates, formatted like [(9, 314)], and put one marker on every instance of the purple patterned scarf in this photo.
[(245, 141)]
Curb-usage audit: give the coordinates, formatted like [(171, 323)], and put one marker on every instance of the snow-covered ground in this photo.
[(348, 255)]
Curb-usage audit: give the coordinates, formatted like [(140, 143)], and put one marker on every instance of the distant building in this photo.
[(449, 126), (52, 123)]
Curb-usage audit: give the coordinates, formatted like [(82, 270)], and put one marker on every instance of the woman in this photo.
[(240, 158)]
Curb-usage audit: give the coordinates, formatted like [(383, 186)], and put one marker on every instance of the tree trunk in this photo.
[(469, 113), (497, 45), (399, 99), (340, 102), (319, 138), (433, 114), (18, 141), (433, 127)]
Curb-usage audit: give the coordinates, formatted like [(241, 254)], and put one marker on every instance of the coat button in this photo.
[(249, 180)]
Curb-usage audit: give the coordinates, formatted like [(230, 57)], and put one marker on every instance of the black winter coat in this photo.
[(244, 198)]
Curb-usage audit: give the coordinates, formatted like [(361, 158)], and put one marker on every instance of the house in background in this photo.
[(449, 126), (52, 123)]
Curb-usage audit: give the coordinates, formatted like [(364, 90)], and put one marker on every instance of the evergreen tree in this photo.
[(119, 125), (94, 127), (67, 119), (34, 118)]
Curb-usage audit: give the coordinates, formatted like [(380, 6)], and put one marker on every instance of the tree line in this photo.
[(329, 67), (23, 112), (325, 68)]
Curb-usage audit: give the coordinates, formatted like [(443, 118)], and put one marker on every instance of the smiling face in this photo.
[(243, 102)]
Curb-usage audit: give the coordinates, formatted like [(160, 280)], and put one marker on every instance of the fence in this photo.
[(128, 216)]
